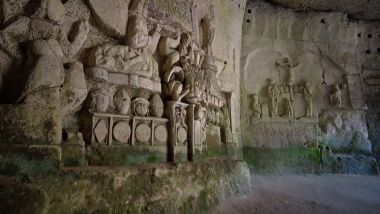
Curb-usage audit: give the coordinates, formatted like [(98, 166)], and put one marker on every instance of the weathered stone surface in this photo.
[(184, 188), (282, 134), (112, 16), (74, 90), (345, 130), (350, 164), (19, 198)]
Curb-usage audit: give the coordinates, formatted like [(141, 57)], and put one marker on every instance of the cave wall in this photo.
[(83, 68), (324, 49)]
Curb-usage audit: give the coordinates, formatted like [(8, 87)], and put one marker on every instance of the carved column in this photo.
[(172, 130), (190, 132)]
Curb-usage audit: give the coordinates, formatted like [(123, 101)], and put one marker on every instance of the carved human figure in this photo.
[(289, 67), (200, 116), (156, 106), (49, 74), (100, 100), (46, 23), (122, 101), (273, 92), (308, 96), (336, 96), (180, 116), (255, 107), (208, 30), (137, 36), (140, 106), (289, 113)]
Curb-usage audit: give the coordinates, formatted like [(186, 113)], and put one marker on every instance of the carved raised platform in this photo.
[(108, 129)]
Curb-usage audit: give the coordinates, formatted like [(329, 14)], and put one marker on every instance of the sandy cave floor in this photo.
[(308, 194)]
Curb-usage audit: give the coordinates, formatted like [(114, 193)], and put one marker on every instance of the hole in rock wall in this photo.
[(65, 135), (359, 35), (248, 21), (323, 21), (369, 36), (368, 51), (249, 11), (378, 50)]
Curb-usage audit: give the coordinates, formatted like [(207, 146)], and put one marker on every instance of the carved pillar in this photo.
[(172, 130), (190, 132), (178, 131)]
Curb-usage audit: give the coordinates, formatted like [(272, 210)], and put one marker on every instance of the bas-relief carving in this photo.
[(336, 96), (273, 92), (255, 107), (46, 23), (279, 101), (308, 96), (123, 101)]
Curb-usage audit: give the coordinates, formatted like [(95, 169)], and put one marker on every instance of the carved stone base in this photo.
[(108, 129), (283, 134)]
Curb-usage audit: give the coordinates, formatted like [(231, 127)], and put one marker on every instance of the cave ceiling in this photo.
[(358, 9)]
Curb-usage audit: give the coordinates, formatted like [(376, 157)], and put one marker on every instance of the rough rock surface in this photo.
[(104, 15), (345, 130), (180, 188)]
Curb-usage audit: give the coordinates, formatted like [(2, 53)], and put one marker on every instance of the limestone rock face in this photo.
[(55, 11), (48, 71), (74, 90), (345, 130), (112, 16)]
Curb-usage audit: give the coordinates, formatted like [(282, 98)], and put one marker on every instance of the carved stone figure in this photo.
[(336, 96), (208, 30), (178, 65), (255, 107), (48, 73), (273, 93), (46, 22), (156, 106), (140, 106), (289, 113), (289, 67), (199, 112), (122, 101), (308, 96), (194, 83), (100, 100), (137, 36), (74, 90), (227, 125)]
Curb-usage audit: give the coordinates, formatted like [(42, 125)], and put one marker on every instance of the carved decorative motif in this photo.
[(143, 132), (101, 131), (122, 132), (156, 106), (161, 134)]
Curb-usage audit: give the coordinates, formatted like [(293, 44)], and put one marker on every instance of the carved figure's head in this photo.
[(140, 106)]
